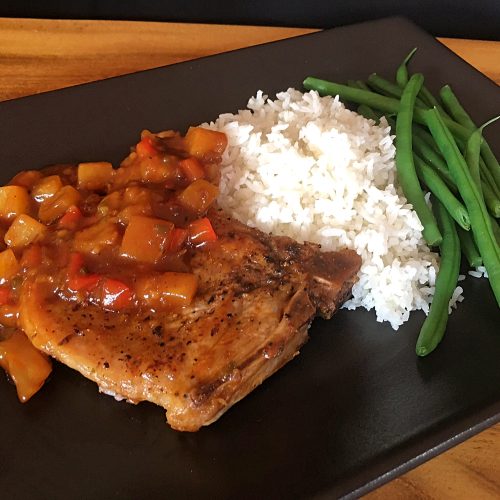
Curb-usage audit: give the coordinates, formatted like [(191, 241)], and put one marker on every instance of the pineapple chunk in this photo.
[(25, 364), (198, 196), (46, 188), (110, 203), (169, 289), (94, 175), (9, 266), (94, 238), (55, 207), (146, 238), (14, 201), (127, 213), (23, 231), (200, 142)]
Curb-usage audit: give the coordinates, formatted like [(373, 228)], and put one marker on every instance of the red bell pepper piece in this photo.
[(178, 237), (146, 147), (84, 282), (75, 265), (201, 232), (77, 278), (71, 218), (115, 294)]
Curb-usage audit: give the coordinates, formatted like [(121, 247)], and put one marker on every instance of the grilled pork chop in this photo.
[(135, 278), (256, 298)]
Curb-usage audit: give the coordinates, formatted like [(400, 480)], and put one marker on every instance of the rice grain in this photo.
[(305, 166)]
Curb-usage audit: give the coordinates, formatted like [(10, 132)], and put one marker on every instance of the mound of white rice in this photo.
[(306, 167)]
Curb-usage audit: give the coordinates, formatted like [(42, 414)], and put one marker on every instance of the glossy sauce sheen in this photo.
[(27, 366), (119, 239), (137, 280)]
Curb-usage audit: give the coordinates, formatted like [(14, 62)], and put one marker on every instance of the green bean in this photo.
[(473, 151), (358, 84), (353, 84), (491, 162), (439, 189), (362, 85), (455, 109), (428, 97), (469, 248), (434, 159), (430, 155), (434, 326), (376, 101), (363, 109), (368, 112), (478, 213), (425, 97), (461, 116), (383, 86), (461, 133), (472, 155), (488, 178), (496, 229), (387, 88), (421, 146), (357, 95), (491, 200), (430, 101), (423, 134), (404, 161), (402, 71)]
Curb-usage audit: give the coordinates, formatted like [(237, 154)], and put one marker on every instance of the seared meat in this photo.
[(256, 298)]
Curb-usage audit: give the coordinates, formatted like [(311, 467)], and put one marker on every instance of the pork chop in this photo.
[(256, 298)]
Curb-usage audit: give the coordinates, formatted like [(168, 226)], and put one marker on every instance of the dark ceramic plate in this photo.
[(355, 409)]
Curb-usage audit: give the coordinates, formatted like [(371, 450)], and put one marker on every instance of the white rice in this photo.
[(479, 272), (306, 167)]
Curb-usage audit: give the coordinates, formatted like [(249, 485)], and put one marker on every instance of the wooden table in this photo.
[(40, 55)]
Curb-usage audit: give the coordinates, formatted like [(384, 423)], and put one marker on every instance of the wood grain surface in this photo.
[(40, 55)]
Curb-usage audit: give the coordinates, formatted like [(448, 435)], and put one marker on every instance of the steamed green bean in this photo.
[(402, 71), (376, 101), (440, 190), (434, 326), (469, 248), (478, 213), (404, 161)]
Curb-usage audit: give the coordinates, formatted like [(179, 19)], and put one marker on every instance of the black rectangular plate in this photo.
[(355, 409)]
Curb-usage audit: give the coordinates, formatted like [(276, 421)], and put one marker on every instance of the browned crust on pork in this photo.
[(257, 297)]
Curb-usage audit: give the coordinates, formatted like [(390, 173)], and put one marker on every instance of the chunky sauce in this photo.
[(117, 238)]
